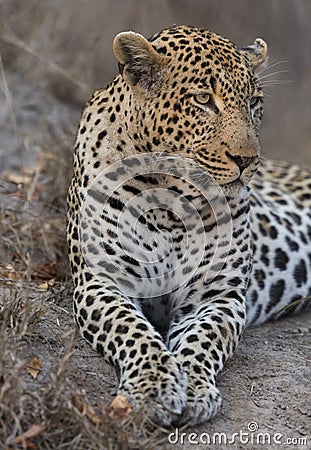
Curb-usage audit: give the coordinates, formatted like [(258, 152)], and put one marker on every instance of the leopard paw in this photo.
[(160, 392), (203, 402)]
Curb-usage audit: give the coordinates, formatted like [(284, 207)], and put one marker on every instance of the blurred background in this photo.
[(59, 51)]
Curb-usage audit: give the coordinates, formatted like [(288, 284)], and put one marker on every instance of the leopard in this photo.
[(180, 234)]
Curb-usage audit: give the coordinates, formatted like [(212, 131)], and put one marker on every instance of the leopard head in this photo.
[(194, 93)]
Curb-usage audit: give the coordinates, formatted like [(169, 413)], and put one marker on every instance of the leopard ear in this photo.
[(256, 53), (139, 63)]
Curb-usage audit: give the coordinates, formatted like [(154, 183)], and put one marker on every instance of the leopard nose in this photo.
[(242, 161)]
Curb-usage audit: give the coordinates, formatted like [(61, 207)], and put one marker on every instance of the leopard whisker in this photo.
[(269, 66)]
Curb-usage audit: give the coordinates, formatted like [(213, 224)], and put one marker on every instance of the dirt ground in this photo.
[(265, 386), (60, 399)]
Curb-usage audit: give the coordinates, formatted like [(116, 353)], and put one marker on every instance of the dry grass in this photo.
[(53, 412)]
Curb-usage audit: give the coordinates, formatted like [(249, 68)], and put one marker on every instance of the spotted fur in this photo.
[(191, 94)]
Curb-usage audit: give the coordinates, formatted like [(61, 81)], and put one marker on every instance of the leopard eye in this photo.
[(202, 99), (254, 101)]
